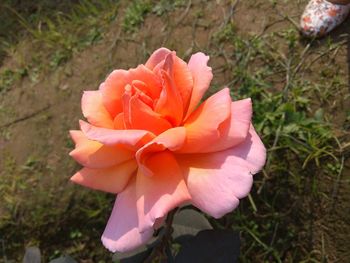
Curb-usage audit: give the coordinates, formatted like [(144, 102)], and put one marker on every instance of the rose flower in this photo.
[(149, 140)]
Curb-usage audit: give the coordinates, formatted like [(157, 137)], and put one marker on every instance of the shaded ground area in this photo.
[(299, 208)]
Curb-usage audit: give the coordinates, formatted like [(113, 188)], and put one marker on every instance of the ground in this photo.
[(299, 207)]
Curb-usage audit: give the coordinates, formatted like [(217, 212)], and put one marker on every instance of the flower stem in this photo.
[(162, 249)]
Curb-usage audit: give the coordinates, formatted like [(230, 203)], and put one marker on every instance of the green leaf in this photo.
[(64, 259), (211, 246), (32, 255), (188, 223), (139, 254), (135, 256), (290, 128), (319, 114)]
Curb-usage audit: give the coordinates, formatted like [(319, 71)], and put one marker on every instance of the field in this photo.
[(299, 207)]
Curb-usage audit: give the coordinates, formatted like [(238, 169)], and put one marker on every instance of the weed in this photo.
[(298, 138), (9, 76), (226, 33), (134, 15), (165, 6)]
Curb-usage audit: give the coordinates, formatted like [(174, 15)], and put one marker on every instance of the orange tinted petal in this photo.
[(132, 139), (183, 81), (113, 179), (152, 82), (94, 111), (139, 116), (157, 57), (119, 122), (93, 154), (235, 129), (112, 91), (171, 139), (170, 104), (202, 127), (113, 88), (202, 76)]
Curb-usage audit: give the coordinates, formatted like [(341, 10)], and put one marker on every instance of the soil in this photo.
[(51, 107)]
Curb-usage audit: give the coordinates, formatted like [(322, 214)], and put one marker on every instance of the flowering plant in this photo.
[(149, 140)]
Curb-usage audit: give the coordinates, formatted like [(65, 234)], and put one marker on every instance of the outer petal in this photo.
[(234, 130), (216, 181), (112, 180), (159, 194), (130, 138), (203, 124), (202, 76), (93, 154), (122, 232), (112, 90), (94, 110), (157, 57)]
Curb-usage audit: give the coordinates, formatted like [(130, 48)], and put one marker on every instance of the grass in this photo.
[(43, 212), (56, 37), (273, 69)]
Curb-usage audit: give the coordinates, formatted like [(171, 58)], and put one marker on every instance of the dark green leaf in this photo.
[(32, 255), (319, 114), (211, 246), (187, 223), (135, 256), (139, 254), (64, 259)]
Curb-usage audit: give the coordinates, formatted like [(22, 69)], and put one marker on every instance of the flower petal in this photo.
[(183, 80), (94, 111), (157, 57), (93, 154), (171, 139), (113, 88), (202, 76), (180, 73), (122, 232), (217, 180), (252, 150), (203, 124), (133, 139), (119, 121), (112, 179), (170, 104), (140, 116), (235, 129), (112, 91), (162, 192), (153, 85)]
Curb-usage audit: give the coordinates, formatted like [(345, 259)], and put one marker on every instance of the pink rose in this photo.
[(148, 140)]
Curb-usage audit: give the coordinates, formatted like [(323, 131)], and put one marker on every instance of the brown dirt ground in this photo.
[(45, 134)]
